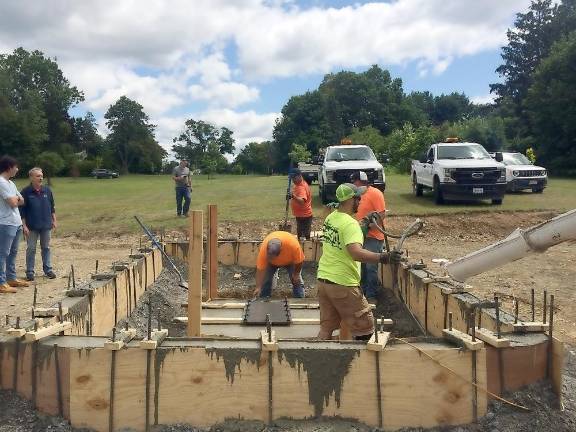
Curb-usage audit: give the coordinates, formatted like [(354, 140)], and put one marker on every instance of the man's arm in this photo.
[(53, 208), (358, 253), (260, 273)]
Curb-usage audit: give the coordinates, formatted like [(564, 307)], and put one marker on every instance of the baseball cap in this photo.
[(295, 172), (358, 175), (347, 190), (273, 247)]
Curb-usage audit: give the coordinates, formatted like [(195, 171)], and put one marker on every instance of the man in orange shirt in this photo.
[(301, 201), (372, 201), (279, 249)]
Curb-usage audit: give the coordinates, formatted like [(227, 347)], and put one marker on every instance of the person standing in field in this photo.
[(38, 220), (181, 177), (372, 203), (10, 226), (301, 202)]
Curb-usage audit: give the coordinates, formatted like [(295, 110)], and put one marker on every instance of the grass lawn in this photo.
[(86, 205)]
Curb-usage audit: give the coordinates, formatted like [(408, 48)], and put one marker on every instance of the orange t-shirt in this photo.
[(301, 190), (290, 251), (372, 200)]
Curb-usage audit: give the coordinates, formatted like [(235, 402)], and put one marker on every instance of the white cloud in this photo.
[(483, 99), (206, 58)]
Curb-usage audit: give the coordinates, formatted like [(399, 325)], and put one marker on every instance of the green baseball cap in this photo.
[(347, 190)]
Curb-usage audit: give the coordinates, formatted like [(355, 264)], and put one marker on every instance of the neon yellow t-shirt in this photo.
[(336, 264)]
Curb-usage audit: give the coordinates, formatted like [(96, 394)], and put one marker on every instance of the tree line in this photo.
[(533, 112)]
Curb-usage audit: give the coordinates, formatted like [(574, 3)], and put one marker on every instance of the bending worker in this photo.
[(372, 203), (279, 249), (339, 293)]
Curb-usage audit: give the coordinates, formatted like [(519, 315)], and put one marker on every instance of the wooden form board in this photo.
[(242, 253), (115, 298), (35, 361), (415, 391), (431, 306), (195, 259)]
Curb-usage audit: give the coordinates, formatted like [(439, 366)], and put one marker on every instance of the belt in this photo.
[(326, 281)]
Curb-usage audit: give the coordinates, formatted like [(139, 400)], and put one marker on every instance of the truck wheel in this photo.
[(438, 195), (497, 201), (537, 190), (416, 188)]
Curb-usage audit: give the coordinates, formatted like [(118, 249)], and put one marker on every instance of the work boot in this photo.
[(51, 275), (298, 292), (6, 289), (373, 301), (18, 283), (30, 278)]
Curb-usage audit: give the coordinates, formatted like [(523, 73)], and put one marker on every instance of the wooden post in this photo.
[(195, 247), (212, 251)]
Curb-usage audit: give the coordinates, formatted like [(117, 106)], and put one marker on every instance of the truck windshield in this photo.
[(340, 154), (468, 151), (515, 159)]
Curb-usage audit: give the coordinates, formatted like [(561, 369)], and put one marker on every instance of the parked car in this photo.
[(459, 171), (521, 174), (100, 173)]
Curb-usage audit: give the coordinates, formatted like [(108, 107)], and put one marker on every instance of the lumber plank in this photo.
[(212, 252), (121, 339), (491, 338), (195, 250), (268, 345), (383, 337), (156, 338), (16, 332), (522, 327), (49, 312), (48, 331), (557, 367), (463, 339)]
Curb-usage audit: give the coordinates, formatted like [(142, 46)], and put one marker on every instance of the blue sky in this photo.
[(235, 63)]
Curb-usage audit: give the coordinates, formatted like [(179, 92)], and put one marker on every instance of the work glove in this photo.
[(392, 257)]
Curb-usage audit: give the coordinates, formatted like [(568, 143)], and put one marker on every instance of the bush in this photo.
[(85, 167)]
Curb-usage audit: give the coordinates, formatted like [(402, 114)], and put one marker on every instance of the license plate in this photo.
[(477, 190), (533, 182)]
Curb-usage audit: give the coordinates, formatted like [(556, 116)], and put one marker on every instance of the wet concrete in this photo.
[(325, 373)]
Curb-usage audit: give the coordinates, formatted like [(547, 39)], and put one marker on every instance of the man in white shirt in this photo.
[(10, 226)]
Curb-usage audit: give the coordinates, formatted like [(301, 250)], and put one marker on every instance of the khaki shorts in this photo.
[(339, 303)]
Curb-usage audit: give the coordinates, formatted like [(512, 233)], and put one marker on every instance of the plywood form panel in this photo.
[(202, 388), (419, 393)]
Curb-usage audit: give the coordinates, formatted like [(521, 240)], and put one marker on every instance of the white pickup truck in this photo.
[(459, 171), (340, 161)]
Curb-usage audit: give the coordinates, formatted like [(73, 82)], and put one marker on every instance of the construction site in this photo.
[(143, 344)]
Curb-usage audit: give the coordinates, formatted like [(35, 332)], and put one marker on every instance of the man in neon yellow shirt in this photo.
[(339, 293)]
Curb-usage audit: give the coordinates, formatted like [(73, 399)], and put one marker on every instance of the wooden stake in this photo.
[(195, 247), (212, 251)]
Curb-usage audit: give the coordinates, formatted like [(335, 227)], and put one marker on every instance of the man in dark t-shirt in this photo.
[(181, 177), (38, 219)]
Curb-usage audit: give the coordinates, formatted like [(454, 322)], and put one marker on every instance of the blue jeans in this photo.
[(271, 271), (9, 239), (369, 275), (44, 236), (182, 194)]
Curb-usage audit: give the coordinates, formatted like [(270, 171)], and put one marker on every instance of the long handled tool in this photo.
[(285, 226), (182, 282)]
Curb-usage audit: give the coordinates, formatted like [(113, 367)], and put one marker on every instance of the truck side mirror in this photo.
[(498, 156)]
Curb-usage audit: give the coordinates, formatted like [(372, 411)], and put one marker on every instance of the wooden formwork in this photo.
[(204, 382), (423, 382)]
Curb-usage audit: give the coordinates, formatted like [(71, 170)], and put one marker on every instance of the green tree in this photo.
[(38, 80), (255, 158), (299, 153), (409, 143), (131, 141), (369, 136), (51, 164), (550, 107), (85, 136), (204, 145)]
